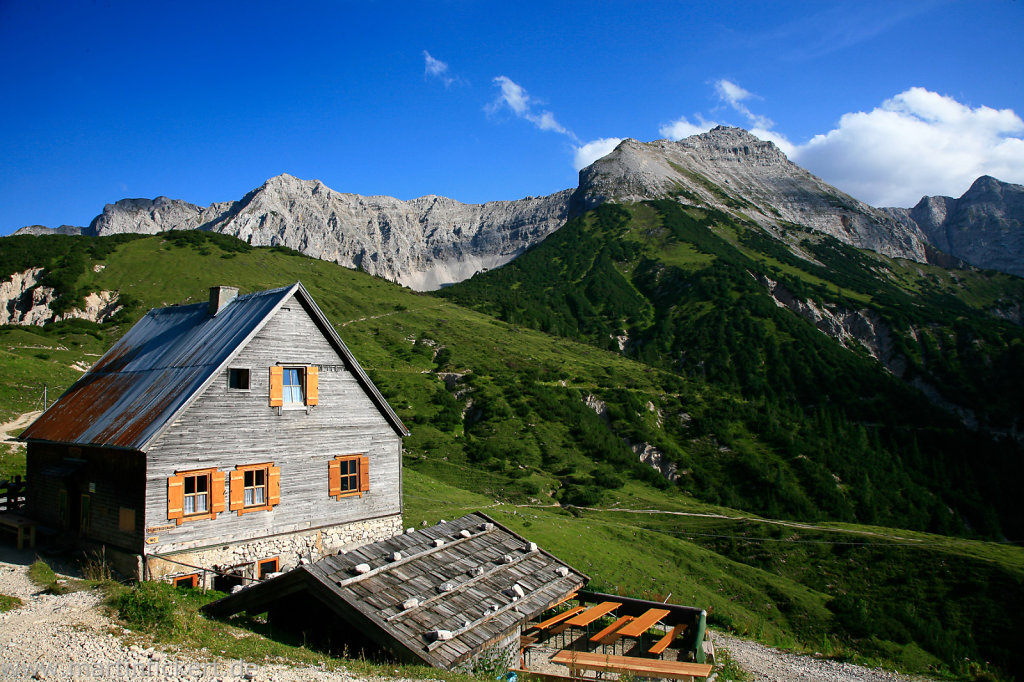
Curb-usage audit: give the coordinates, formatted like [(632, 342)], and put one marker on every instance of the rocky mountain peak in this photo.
[(735, 172)]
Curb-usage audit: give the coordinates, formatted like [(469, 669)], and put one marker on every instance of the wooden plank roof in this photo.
[(472, 580), (164, 362)]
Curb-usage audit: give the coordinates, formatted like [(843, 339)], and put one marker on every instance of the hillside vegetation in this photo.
[(502, 419)]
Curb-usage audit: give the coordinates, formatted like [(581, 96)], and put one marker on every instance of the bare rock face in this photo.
[(24, 301), (424, 243), (984, 227), (731, 170)]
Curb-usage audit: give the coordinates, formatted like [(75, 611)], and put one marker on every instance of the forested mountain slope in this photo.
[(879, 390)]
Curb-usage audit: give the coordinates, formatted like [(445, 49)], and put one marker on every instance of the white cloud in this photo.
[(681, 127), (435, 68), (916, 143), (515, 97), (734, 95), (592, 151)]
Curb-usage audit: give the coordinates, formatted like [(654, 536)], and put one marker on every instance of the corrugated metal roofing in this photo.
[(160, 365), (465, 586)]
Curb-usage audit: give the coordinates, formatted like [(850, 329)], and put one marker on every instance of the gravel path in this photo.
[(766, 664), (68, 637)]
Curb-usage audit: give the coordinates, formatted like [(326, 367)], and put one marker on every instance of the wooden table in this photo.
[(643, 623), (584, 619), (20, 525), (641, 667)]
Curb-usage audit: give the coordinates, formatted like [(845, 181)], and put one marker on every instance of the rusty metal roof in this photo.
[(471, 579), (164, 362)]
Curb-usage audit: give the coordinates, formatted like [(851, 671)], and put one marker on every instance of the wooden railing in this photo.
[(12, 495)]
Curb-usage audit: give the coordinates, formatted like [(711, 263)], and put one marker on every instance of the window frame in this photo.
[(308, 386), (274, 561), (271, 487), (335, 475), (248, 379), (180, 580), (215, 493)]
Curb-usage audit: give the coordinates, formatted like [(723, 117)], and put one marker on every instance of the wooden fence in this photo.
[(12, 495)]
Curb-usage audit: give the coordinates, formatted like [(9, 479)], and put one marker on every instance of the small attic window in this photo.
[(238, 379)]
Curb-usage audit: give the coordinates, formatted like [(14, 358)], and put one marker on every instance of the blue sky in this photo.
[(482, 100)]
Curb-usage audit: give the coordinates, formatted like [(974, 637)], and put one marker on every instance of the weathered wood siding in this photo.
[(224, 428), (113, 479)]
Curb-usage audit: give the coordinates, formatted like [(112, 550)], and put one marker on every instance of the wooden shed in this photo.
[(442, 595)]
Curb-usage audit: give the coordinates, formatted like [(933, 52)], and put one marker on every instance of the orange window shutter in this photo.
[(273, 486), (312, 388), (364, 473), (276, 386), (217, 492), (236, 493), (334, 478), (176, 498)]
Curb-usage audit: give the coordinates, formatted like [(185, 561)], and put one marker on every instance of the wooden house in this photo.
[(240, 436), (449, 595)]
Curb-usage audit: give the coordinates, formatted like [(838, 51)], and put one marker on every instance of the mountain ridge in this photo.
[(432, 241)]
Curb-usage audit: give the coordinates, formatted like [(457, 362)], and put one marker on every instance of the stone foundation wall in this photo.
[(495, 660), (290, 549)]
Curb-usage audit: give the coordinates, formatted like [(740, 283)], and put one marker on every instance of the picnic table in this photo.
[(641, 667), (644, 622), (23, 528), (582, 620)]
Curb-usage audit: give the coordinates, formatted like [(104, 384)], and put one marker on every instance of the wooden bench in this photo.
[(641, 667), (610, 634), (23, 528), (659, 648)]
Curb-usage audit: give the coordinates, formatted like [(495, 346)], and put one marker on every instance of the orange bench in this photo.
[(610, 634), (556, 619), (663, 643), (641, 667)]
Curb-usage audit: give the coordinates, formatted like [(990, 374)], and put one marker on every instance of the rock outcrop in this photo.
[(24, 301), (984, 227), (731, 170)]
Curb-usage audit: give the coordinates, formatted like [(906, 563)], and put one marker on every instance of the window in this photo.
[(266, 567), (190, 580), (255, 487), (194, 495), (238, 379), (348, 475), (197, 494), (294, 386), (126, 519)]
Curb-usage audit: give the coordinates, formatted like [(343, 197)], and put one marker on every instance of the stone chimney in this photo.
[(220, 297)]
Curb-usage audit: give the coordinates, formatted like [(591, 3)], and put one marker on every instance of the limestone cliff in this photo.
[(984, 227)]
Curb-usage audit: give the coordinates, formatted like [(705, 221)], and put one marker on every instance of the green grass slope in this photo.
[(500, 422)]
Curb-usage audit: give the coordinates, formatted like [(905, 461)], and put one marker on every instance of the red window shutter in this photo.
[(276, 386), (273, 486), (364, 473), (236, 491), (176, 498), (217, 492), (312, 390), (334, 478)]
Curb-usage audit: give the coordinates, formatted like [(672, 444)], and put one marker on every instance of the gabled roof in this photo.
[(164, 363), (465, 586)]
